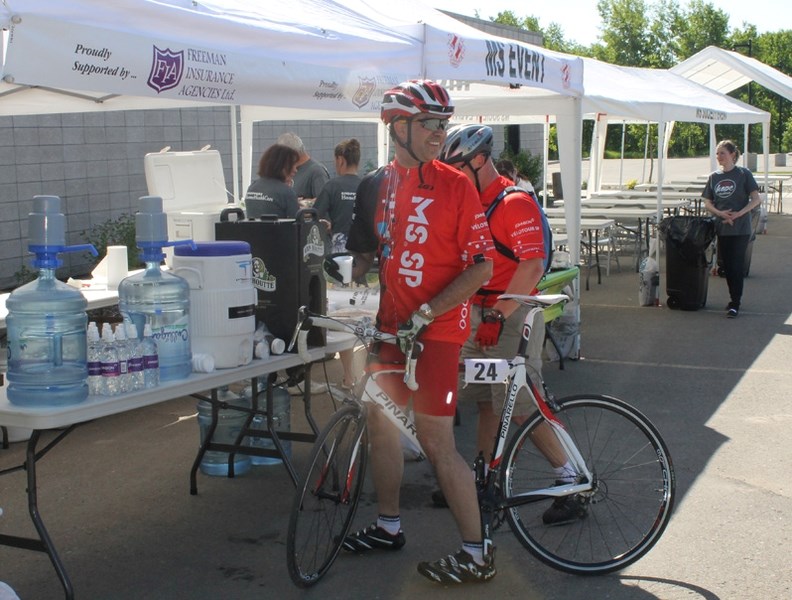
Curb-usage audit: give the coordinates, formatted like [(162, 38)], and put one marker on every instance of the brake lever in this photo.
[(414, 350)]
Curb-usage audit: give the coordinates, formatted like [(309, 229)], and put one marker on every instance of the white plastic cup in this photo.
[(203, 363), (344, 267), (116, 266)]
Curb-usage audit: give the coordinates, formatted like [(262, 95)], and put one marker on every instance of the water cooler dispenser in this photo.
[(287, 266), (222, 299)]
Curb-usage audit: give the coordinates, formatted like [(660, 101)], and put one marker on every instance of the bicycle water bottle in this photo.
[(47, 322), (156, 297)]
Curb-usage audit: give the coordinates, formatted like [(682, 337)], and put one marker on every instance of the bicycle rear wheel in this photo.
[(631, 501), (327, 496)]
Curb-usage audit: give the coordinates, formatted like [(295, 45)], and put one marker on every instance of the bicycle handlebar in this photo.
[(364, 331)]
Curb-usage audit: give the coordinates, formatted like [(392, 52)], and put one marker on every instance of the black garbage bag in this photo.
[(690, 236)]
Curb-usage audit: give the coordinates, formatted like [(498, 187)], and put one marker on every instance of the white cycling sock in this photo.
[(390, 524), (476, 550), (566, 473)]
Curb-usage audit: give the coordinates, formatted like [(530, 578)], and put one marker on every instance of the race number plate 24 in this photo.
[(486, 370)]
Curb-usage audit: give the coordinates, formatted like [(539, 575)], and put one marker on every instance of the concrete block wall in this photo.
[(94, 162)]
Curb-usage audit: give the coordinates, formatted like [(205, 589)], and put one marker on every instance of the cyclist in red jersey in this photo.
[(497, 325), (423, 221)]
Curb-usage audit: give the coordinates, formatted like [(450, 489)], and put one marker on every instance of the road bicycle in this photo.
[(624, 483)]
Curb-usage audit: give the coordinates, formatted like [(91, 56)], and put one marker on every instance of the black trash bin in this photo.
[(755, 216), (687, 239)]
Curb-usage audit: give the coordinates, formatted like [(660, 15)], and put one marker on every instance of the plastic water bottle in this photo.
[(156, 297), (124, 356), (111, 366), (135, 358), (229, 424), (148, 349), (94, 360), (47, 322), (281, 415)]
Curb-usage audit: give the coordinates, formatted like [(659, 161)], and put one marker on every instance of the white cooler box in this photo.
[(222, 300), (193, 191)]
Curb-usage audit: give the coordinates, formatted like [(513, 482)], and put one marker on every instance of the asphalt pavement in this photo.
[(115, 493)]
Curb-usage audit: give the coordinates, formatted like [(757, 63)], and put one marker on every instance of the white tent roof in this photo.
[(623, 93), (302, 58), (331, 55), (659, 95), (725, 71), (302, 53)]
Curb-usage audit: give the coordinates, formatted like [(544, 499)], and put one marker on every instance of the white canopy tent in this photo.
[(658, 96), (89, 55), (461, 56), (724, 71), (301, 59), (625, 94)]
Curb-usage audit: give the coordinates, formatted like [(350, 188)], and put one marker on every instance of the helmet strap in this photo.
[(408, 144), (475, 173)]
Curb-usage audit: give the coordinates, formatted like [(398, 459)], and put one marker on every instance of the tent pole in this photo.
[(546, 146), (234, 153), (247, 148), (661, 126), (621, 163), (646, 152)]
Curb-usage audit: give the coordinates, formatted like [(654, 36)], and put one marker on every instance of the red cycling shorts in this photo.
[(436, 373)]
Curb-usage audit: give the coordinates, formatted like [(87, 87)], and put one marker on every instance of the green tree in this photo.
[(699, 26), (625, 33), (663, 47), (786, 142), (507, 17), (553, 34)]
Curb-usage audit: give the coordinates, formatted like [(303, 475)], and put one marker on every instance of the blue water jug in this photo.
[(229, 424), (281, 416), (156, 297), (47, 322)]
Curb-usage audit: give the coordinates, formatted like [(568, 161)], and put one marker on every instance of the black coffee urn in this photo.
[(287, 266)]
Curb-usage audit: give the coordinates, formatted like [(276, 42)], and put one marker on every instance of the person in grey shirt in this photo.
[(730, 195), (311, 175), (336, 200), (271, 193), (336, 203)]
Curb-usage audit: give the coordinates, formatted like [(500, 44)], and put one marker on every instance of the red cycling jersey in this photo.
[(517, 224), (426, 225)]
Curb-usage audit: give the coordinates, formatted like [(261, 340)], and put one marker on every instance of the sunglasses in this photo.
[(434, 124)]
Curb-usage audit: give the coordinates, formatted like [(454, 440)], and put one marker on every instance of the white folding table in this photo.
[(69, 417)]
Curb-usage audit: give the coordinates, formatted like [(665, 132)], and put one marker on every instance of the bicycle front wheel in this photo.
[(327, 496), (627, 510)]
